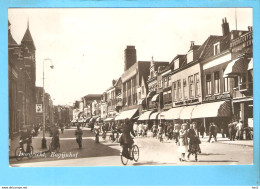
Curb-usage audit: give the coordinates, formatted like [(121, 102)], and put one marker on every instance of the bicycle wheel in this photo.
[(135, 152), (30, 155), (18, 154), (124, 160)]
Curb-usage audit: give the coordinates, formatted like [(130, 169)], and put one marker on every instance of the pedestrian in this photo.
[(215, 131), (79, 134), (239, 128), (222, 129), (183, 142), (212, 132), (202, 130), (231, 130), (160, 131), (194, 142), (135, 127), (62, 127), (177, 128), (154, 129)]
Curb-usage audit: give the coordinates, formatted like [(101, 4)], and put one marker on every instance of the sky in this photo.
[(86, 45)]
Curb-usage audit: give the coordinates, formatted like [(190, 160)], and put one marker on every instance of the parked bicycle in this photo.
[(20, 153), (134, 152)]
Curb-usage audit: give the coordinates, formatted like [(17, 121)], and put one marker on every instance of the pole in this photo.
[(43, 111)]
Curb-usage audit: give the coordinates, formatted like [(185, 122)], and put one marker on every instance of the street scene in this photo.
[(130, 87)]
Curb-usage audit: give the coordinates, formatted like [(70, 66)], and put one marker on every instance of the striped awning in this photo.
[(128, 114), (236, 67), (145, 116), (154, 115), (250, 65), (213, 109), (173, 113), (155, 98), (186, 113)]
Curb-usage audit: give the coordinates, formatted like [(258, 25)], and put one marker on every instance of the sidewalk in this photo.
[(220, 140), (227, 141)]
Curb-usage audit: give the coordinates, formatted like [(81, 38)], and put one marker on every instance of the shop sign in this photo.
[(186, 102), (217, 97), (38, 108)]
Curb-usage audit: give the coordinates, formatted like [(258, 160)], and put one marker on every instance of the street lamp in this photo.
[(43, 108)]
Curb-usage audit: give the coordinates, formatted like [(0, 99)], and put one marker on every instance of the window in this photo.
[(226, 84), (236, 82), (242, 84), (174, 95), (216, 83), (179, 89), (176, 64), (184, 88), (191, 86), (169, 81), (197, 84), (190, 57), (208, 84), (165, 82), (216, 48)]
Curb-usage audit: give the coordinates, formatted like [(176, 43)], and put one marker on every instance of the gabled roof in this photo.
[(28, 40)]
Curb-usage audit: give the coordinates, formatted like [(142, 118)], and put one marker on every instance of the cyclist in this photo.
[(26, 138), (79, 134), (126, 140)]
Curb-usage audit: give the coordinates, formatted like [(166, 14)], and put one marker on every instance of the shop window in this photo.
[(250, 79), (191, 83), (179, 89), (184, 89), (216, 83), (197, 84), (208, 84), (242, 82)]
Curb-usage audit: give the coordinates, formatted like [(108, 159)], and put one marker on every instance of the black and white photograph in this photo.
[(130, 86)]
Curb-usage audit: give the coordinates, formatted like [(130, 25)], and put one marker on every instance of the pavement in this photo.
[(152, 152)]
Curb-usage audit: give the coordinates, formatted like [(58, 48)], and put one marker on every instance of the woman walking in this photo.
[(183, 142), (194, 142)]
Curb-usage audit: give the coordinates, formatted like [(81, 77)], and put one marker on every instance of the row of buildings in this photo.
[(211, 82), (24, 95)]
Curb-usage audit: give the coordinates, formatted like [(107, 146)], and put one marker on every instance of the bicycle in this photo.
[(54, 146), (20, 153), (135, 154)]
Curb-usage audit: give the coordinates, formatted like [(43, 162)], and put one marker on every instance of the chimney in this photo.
[(191, 44), (225, 27), (130, 57)]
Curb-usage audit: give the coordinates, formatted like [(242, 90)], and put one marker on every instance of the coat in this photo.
[(183, 136), (126, 138)]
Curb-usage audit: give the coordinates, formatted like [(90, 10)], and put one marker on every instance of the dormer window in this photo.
[(190, 56), (216, 48), (176, 64)]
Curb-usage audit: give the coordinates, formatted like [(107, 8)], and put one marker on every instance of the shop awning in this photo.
[(141, 101), (92, 119), (150, 94), (186, 113), (145, 116), (155, 98), (236, 67), (162, 115), (154, 115), (213, 109), (250, 64), (173, 113), (109, 119), (126, 114)]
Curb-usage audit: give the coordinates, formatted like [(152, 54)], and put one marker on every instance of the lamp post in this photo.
[(43, 108)]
